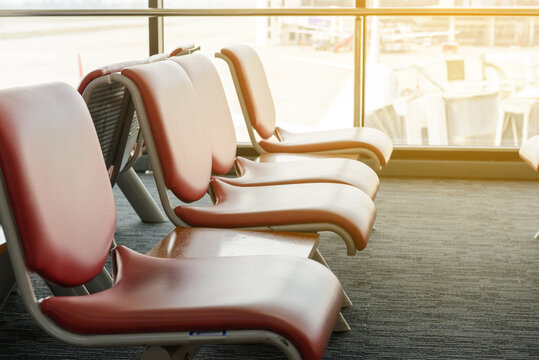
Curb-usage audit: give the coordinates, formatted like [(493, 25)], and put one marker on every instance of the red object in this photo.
[(450, 47), (327, 140), (255, 88), (305, 169), (218, 122), (343, 205), (184, 151), (295, 297), (260, 107), (59, 189), (183, 147), (106, 70), (63, 207), (81, 73), (297, 169)]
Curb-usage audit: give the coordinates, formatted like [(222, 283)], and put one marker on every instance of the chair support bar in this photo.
[(139, 198), (102, 281)]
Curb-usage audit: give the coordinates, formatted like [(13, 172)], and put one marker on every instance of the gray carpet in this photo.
[(452, 271)]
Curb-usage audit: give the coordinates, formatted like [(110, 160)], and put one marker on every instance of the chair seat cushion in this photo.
[(332, 140), (529, 152), (262, 206), (188, 242), (315, 170), (297, 298)]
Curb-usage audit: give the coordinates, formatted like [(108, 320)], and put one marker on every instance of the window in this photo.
[(308, 62), (44, 49), (453, 81)]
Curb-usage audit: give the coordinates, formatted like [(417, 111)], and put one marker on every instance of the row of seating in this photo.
[(271, 293)]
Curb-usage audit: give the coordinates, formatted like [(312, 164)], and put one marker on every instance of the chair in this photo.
[(185, 241), (529, 152), (259, 112), (180, 155), (289, 302), (118, 130), (302, 169)]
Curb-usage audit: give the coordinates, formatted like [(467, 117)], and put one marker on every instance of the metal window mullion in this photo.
[(359, 66), (501, 11), (156, 32)]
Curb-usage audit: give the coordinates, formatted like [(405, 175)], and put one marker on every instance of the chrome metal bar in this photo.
[(502, 11), (7, 278), (138, 196), (101, 282), (359, 55)]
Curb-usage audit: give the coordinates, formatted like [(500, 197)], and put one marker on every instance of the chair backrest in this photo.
[(184, 49), (109, 69), (215, 110), (56, 182), (254, 87), (174, 116), (112, 111)]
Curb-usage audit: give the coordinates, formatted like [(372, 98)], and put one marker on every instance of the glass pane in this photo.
[(36, 50), (231, 4), (451, 3), (308, 62), (73, 4), (465, 81)]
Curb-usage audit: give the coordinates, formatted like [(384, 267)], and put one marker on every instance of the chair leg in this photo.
[(63, 291), (318, 257), (102, 281), (139, 198), (185, 352), (7, 278), (341, 325), (158, 353)]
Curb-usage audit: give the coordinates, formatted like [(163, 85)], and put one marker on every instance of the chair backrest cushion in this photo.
[(174, 116), (214, 108), (56, 182), (107, 70), (254, 87)]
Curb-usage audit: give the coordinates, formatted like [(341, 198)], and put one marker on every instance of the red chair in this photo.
[(117, 128), (59, 220), (180, 155), (299, 169), (259, 112)]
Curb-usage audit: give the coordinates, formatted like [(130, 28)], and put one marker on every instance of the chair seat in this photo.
[(343, 171), (186, 242), (263, 206), (332, 140), (529, 152), (297, 298)]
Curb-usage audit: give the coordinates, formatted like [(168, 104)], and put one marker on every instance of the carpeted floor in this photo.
[(451, 271)]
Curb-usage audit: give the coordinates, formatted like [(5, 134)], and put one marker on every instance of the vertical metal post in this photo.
[(156, 29), (7, 278), (359, 65)]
